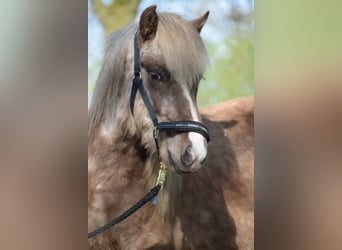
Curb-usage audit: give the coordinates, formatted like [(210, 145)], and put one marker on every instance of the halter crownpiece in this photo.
[(176, 126)]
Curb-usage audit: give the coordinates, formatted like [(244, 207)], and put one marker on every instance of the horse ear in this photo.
[(148, 23), (199, 22)]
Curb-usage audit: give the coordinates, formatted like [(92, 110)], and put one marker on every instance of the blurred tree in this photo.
[(115, 15)]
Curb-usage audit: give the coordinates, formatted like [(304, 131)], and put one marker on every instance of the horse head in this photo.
[(173, 59)]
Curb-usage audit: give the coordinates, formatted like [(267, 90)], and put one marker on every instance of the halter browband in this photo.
[(176, 126)]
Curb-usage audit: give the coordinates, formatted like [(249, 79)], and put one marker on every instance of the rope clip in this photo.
[(162, 174)]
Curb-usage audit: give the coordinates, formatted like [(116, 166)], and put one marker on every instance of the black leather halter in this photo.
[(176, 126)]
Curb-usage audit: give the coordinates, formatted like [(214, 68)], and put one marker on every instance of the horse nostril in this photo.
[(188, 157)]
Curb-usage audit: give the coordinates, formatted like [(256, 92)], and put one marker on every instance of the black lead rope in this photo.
[(178, 126), (149, 196)]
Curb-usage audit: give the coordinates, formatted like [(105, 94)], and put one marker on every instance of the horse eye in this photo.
[(155, 76)]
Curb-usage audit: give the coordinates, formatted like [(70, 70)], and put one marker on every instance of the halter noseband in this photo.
[(176, 126)]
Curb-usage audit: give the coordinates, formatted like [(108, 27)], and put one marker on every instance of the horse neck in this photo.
[(118, 161), (113, 149)]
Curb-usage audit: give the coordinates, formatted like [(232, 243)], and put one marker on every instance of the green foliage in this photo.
[(230, 74), (93, 71)]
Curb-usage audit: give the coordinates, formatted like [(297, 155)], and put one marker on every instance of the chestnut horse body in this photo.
[(207, 201)]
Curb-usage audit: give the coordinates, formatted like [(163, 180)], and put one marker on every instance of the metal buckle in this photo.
[(155, 132), (137, 75)]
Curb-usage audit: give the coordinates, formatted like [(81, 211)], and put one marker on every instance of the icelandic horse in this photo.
[(207, 201)]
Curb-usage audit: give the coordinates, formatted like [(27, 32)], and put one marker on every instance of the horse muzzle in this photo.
[(186, 152)]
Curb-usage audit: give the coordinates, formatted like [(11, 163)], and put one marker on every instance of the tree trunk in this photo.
[(115, 15)]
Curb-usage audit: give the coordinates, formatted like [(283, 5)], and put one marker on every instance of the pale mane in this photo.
[(183, 50)]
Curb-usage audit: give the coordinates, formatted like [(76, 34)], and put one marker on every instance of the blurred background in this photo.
[(228, 36), (44, 72)]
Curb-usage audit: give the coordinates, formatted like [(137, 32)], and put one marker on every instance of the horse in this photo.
[(207, 200)]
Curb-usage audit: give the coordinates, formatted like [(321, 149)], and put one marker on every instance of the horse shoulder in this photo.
[(240, 109), (236, 118), (235, 121)]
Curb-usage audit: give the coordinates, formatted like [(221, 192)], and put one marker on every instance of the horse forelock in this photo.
[(182, 48)]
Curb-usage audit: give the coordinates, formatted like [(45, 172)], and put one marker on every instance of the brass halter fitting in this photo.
[(155, 132), (137, 75), (162, 174)]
